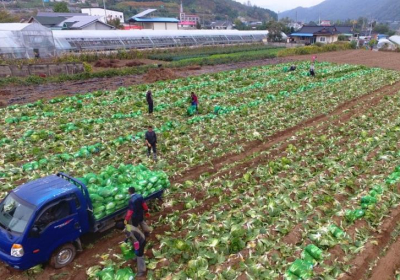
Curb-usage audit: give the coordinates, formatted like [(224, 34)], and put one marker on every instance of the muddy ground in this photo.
[(387, 60), (104, 64)]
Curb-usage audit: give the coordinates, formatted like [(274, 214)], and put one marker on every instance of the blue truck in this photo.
[(43, 221)]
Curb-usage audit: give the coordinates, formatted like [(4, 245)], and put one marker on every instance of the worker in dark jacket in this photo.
[(292, 68), (312, 70), (195, 101), (138, 240), (151, 142), (149, 99), (137, 208)]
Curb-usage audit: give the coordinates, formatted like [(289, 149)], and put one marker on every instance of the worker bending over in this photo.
[(138, 240)]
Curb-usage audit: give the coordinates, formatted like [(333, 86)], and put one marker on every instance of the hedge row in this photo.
[(315, 49)]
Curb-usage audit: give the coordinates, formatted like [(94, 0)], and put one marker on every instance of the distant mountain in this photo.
[(347, 9)]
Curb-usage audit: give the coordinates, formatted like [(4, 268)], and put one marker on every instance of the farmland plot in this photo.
[(280, 174)]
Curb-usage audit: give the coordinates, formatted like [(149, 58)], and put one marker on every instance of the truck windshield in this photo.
[(15, 214)]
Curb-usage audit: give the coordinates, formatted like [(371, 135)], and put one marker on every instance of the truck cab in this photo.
[(43, 220)]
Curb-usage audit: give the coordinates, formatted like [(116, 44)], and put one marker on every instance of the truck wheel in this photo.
[(63, 256)]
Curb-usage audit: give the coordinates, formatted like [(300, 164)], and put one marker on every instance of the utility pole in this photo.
[(105, 12), (370, 30)]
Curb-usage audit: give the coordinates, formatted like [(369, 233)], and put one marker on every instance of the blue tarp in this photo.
[(302, 34)]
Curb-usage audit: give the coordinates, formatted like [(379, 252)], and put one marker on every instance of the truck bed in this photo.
[(109, 221)]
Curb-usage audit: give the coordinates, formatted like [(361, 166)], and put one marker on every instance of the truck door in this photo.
[(57, 224)]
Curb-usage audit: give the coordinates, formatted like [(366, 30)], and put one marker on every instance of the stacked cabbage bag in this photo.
[(109, 189)]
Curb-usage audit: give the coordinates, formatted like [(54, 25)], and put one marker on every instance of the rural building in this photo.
[(63, 21), (49, 22), (52, 20), (104, 15), (154, 23), (52, 14), (187, 21), (325, 23), (320, 34), (84, 23), (187, 25), (295, 25), (222, 25), (254, 24)]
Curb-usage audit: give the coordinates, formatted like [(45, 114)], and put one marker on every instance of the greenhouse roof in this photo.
[(13, 26), (22, 27), (395, 39)]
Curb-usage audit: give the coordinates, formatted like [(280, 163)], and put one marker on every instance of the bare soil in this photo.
[(160, 74), (387, 265), (103, 64), (387, 60)]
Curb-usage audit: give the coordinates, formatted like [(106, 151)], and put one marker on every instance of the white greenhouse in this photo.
[(20, 40), (26, 40), (395, 39), (127, 39)]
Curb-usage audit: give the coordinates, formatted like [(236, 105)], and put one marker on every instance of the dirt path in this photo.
[(372, 250), (14, 94), (388, 264), (387, 60)]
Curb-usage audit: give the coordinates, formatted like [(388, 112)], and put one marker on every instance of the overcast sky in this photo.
[(282, 5)]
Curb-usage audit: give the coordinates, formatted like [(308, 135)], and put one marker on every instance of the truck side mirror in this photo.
[(34, 232)]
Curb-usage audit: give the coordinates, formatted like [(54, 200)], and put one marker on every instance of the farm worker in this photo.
[(312, 70), (313, 59), (292, 68), (151, 142), (138, 240), (149, 99), (195, 101), (137, 207)]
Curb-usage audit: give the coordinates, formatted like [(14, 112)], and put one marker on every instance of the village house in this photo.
[(320, 34)]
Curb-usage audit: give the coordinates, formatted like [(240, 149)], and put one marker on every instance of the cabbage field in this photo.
[(280, 175)]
